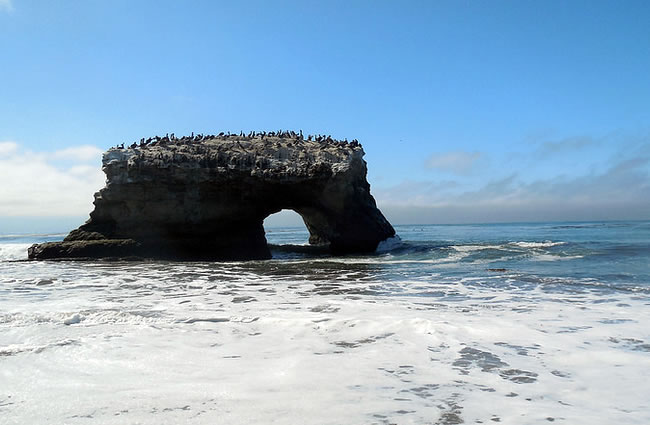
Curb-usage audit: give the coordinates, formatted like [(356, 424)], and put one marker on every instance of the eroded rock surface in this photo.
[(207, 197)]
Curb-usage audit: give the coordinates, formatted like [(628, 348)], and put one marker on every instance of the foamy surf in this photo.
[(442, 328), (13, 251)]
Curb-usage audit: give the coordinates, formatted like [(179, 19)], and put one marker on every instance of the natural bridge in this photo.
[(206, 197)]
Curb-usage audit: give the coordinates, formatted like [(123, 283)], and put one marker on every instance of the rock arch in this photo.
[(207, 198)]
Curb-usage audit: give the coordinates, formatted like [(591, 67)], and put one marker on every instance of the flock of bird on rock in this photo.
[(172, 139)]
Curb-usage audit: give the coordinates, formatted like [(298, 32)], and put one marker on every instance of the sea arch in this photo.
[(208, 199)]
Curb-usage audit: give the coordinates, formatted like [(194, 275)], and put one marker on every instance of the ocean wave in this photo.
[(299, 248), (389, 244), (32, 236), (84, 317), (13, 251), (397, 251), (545, 244), (552, 257), (473, 248)]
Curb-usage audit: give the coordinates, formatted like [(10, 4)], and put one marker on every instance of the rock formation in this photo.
[(206, 197)]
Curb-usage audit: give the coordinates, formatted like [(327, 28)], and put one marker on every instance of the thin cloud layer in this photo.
[(459, 163), (6, 5), (619, 190), (54, 184), (562, 146)]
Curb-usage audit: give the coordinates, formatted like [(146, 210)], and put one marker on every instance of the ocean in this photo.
[(499, 323)]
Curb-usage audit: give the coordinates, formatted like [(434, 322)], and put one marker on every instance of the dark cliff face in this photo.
[(207, 199)]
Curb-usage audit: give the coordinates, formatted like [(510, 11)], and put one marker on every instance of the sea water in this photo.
[(509, 323)]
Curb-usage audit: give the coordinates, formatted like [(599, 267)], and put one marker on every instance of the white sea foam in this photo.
[(474, 248), (551, 257), (72, 320), (319, 341), (545, 244), (353, 359), (13, 251)]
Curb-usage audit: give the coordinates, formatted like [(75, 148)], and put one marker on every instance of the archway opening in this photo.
[(288, 236), (285, 228)]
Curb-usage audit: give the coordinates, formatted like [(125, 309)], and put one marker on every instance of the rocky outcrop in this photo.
[(206, 197)]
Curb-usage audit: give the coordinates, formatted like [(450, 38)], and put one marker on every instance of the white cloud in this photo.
[(6, 5), (460, 163), (83, 153), (35, 184), (8, 148)]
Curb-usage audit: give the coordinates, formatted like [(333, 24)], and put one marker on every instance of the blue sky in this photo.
[(468, 111)]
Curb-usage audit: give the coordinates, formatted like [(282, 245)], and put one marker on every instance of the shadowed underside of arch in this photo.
[(208, 198)]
